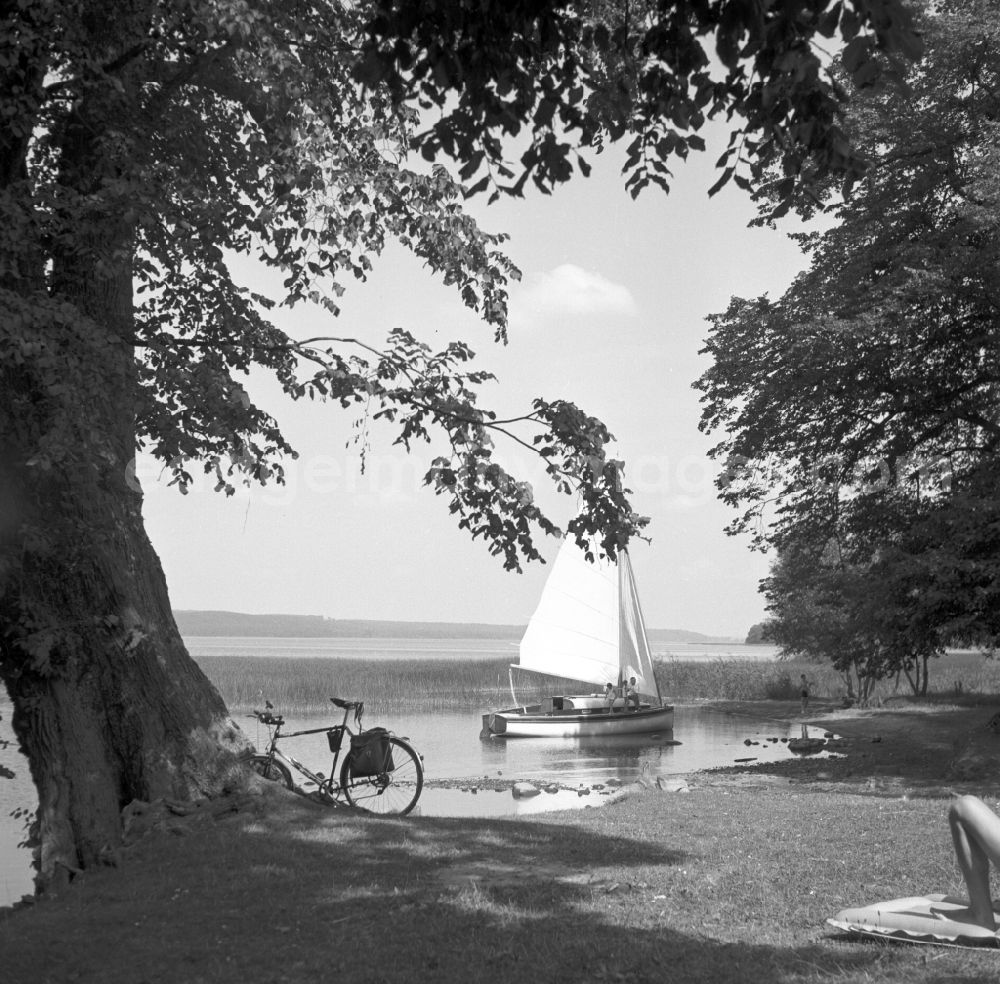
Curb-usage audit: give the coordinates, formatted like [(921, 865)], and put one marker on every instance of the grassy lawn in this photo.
[(730, 882)]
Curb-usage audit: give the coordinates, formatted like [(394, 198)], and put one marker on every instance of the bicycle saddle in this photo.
[(347, 705)]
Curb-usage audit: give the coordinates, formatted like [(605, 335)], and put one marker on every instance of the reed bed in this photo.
[(304, 685), (957, 672), (735, 679)]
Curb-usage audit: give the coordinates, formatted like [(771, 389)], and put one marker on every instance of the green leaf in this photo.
[(722, 181)]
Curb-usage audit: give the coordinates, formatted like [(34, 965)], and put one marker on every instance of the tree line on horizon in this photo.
[(193, 622)]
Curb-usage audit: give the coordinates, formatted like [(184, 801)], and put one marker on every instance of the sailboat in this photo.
[(588, 627)]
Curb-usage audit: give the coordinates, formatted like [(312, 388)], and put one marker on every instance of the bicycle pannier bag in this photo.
[(371, 753)]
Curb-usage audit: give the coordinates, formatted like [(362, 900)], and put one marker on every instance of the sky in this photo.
[(610, 314)]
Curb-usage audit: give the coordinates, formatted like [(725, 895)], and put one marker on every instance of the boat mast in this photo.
[(620, 563)]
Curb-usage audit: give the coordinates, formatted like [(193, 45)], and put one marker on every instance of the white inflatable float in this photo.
[(941, 919)]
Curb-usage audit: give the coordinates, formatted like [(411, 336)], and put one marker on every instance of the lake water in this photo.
[(458, 766)]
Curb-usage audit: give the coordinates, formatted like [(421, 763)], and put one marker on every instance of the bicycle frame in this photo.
[(329, 785), (386, 777)]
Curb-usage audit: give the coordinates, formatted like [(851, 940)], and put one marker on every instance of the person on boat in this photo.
[(975, 831), (609, 696), (804, 693), (631, 694)]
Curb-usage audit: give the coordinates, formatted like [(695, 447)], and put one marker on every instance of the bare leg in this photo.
[(975, 830)]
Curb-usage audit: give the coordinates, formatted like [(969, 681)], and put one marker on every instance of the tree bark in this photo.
[(108, 705)]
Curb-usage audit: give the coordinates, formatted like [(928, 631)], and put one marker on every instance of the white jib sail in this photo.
[(634, 656), (588, 625)]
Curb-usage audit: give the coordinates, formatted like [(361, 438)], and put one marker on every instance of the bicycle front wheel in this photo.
[(394, 792), (268, 768)]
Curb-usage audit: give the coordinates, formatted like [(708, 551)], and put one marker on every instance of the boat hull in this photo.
[(539, 721)]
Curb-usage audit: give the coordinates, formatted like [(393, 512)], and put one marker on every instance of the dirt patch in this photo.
[(906, 747)]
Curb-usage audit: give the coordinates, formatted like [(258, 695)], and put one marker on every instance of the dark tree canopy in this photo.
[(568, 78), (147, 138), (860, 409), (218, 134)]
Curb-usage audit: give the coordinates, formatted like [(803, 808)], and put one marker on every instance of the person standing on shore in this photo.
[(804, 692)]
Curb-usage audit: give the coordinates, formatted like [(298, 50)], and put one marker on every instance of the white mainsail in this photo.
[(588, 625)]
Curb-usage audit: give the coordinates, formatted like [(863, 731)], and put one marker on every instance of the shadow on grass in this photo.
[(299, 894)]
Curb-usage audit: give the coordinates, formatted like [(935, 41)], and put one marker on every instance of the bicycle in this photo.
[(381, 773)]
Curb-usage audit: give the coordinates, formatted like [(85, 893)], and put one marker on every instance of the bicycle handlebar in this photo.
[(266, 717)]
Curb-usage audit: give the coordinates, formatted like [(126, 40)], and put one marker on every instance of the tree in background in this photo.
[(860, 409), (146, 140), (757, 634), (866, 614), (812, 614)]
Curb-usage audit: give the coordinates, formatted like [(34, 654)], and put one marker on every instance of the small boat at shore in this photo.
[(588, 627)]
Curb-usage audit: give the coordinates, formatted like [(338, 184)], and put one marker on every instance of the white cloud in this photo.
[(569, 291)]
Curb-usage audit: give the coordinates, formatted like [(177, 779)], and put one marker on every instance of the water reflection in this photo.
[(702, 739), (575, 760)]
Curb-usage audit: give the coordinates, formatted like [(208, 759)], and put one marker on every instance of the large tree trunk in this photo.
[(108, 705)]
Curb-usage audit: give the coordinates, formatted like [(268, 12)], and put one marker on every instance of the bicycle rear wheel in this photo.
[(268, 768), (395, 792)]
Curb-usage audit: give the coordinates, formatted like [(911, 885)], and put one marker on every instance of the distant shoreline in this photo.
[(220, 623)]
